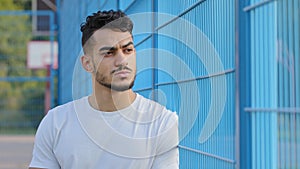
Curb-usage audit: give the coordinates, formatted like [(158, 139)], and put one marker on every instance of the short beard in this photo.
[(101, 80)]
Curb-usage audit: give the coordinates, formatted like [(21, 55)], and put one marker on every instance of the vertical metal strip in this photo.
[(255, 92), (280, 95), (154, 47), (58, 52), (291, 58), (257, 76), (118, 4), (273, 91), (244, 71), (231, 61), (296, 14), (285, 80), (260, 87), (264, 78), (219, 6), (268, 84), (52, 71), (253, 119), (210, 31), (239, 162)]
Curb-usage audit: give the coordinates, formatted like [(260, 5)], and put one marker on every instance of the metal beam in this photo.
[(207, 154), (24, 79), (273, 110), (256, 5), (50, 4), (27, 12)]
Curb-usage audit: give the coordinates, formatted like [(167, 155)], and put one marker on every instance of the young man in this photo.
[(114, 127)]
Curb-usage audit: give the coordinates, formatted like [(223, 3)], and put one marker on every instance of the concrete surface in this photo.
[(15, 151)]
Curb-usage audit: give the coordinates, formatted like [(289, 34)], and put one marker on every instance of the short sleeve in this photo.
[(167, 160), (167, 151), (43, 155)]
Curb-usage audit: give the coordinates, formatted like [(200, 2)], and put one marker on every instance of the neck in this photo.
[(105, 99)]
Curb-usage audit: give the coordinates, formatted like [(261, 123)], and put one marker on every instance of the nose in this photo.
[(121, 59)]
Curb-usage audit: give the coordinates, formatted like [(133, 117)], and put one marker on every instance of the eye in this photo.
[(108, 53), (128, 50)]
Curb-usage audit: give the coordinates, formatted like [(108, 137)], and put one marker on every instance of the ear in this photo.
[(87, 63)]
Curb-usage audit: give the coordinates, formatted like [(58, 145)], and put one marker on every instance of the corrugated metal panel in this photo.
[(140, 12), (190, 52), (175, 67), (104, 5), (296, 24), (263, 77), (275, 75), (144, 63), (178, 70), (70, 45), (288, 77)]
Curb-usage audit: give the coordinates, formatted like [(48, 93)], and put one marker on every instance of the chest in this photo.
[(75, 149)]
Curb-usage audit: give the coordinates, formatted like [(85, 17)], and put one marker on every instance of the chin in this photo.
[(122, 88), (117, 85)]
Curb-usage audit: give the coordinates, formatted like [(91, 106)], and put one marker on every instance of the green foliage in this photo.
[(21, 103), (24, 4), (9, 5)]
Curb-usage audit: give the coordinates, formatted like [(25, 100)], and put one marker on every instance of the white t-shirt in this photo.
[(76, 136)]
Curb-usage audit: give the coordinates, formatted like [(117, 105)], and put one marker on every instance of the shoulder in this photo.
[(63, 113), (61, 110), (165, 124), (163, 114)]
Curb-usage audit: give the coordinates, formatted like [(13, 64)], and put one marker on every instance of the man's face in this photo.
[(113, 58)]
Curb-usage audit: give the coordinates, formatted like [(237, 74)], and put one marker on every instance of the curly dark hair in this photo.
[(105, 19)]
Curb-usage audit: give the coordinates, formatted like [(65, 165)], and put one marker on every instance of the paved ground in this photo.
[(15, 151)]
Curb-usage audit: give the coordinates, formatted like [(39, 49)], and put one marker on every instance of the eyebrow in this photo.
[(114, 48), (128, 44)]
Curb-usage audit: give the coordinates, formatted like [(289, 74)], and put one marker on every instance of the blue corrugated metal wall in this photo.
[(288, 79), (263, 70), (275, 83), (198, 43), (229, 68), (69, 44)]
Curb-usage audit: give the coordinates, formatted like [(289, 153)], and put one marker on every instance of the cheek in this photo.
[(132, 60), (101, 64), (101, 69)]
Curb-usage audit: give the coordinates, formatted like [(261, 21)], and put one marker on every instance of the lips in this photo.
[(122, 73)]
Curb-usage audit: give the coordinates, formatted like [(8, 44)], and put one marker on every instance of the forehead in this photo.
[(109, 37)]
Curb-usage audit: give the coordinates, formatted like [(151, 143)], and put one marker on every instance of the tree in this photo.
[(17, 98)]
